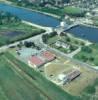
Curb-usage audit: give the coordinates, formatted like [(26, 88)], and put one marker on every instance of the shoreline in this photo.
[(45, 13), (38, 26)]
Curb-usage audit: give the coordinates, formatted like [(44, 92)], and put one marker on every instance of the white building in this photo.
[(62, 44)]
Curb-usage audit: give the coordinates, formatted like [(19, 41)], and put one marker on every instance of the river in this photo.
[(31, 16), (85, 32)]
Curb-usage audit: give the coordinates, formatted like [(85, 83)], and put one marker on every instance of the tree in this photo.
[(84, 58), (28, 44), (91, 59), (82, 43), (87, 49), (68, 39), (45, 37)]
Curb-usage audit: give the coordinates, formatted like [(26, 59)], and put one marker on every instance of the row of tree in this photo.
[(7, 18)]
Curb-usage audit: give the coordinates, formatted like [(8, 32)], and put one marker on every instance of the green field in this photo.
[(14, 86), (91, 91), (74, 11), (21, 27), (19, 82), (90, 58)]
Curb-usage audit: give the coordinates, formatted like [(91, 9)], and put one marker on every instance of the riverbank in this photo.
[(45, 13), (79, 39), (30, 16), (38, 26), (85, 32)]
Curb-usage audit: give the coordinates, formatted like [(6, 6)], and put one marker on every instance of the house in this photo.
[(58, 44), (62, 44), (48, 55), (61, 2), (35, 62)]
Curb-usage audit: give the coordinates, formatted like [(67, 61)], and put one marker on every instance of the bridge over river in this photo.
[(60, 29)]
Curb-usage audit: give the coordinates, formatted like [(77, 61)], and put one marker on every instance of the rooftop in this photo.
[(48, 55), (36, 60)]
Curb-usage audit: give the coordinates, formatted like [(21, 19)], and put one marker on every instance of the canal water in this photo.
[(31, 16), (80, 31), (85, 32)]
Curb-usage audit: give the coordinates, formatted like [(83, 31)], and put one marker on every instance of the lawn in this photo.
[(74, 11), (20, 82)]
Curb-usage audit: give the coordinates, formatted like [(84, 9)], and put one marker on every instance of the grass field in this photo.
[(74, 11), (14, 86), (29, 31), (93, 54), (20, 82)]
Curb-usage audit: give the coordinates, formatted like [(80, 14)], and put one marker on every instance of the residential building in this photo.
[(62, 44)]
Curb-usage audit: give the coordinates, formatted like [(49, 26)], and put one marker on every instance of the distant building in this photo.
[(35, 62), (53, 2), (34, 1)]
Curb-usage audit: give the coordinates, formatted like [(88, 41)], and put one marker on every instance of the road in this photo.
[(77, 62), (38, 40), (34, 38)]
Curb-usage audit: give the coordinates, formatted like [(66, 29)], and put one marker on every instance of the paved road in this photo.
[(38, 40), (77, 62)]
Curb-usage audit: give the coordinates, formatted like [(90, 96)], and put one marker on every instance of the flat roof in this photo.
[(36, 60), (48, 55)]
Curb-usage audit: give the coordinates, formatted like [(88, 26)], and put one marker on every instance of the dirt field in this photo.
[(75, 87), (86, 78)]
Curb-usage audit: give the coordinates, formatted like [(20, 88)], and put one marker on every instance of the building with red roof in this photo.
[(35, 62), (48, 55)]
